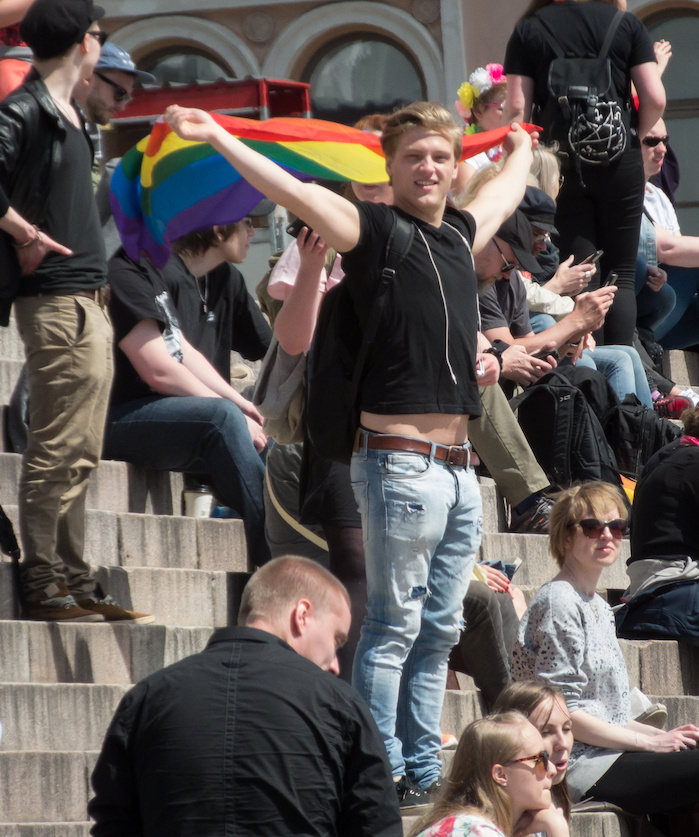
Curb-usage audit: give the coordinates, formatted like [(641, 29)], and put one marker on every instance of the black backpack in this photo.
[(564, 433), (584, 112), (338, 355), (635, 432)]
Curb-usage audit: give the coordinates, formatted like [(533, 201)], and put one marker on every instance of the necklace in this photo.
[(70, 116), (205, 296)]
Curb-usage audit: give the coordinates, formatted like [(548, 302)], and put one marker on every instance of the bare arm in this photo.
[(520, 98), (334, 218), (12, 11), (651, 95), (634, 737), (678, 250), (499, 198), (33, 245), (296, 321)]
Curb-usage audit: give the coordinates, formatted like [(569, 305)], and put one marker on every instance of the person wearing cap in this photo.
[(54, 270), (172, 406), (108, 90), (503, 303), (505, 316)]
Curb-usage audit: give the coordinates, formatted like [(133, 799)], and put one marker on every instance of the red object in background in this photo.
[(255, 98)]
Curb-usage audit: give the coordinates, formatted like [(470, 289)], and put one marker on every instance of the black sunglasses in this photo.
[(653, 142), (541, 762), (99, 34), (121, 94), (593, 528), (507, 266)]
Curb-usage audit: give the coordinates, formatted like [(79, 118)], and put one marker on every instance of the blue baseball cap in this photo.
[(113, 57)]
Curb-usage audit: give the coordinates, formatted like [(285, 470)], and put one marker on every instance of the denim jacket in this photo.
[(647, 249)]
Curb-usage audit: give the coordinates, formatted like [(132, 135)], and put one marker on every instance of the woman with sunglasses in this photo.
[(545, 707), (567, 639), (499, 784)]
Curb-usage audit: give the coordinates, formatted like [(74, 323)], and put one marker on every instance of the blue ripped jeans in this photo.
[(421, 521)]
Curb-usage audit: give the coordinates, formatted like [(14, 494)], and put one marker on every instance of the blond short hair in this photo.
[(573, 504), (430, 116), (278, 585)]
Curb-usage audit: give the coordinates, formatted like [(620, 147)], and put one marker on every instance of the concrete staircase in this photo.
[(59, 684)]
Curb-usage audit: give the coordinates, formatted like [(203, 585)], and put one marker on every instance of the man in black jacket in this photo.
[(59, 305), (248, 737)]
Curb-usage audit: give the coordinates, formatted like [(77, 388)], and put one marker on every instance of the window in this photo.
[(189, 67), (360, 75)]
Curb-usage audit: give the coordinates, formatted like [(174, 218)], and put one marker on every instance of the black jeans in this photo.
[(605, 214)]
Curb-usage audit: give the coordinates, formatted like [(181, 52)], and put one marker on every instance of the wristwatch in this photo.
[(496, 350)]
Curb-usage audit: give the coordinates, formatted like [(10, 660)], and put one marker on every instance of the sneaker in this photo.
[(671, 406), (104, 605), (57, 605), (534, 520), (412, 799), (688, 393)]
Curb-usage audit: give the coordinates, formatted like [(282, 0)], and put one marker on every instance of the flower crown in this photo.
[(478, 83)]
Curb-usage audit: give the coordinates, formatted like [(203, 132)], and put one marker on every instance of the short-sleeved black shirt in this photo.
[(580, 29), (429, 325)]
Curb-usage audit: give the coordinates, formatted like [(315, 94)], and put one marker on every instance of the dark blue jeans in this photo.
[(681, 328), (201, 436)]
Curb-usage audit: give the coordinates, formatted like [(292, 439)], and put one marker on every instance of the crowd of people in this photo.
[(534, 255)]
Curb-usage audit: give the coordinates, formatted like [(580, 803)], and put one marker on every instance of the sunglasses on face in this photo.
[(541, 763), (99, 35), (593, 528), (121, 94), (654, 142), (507, 266)]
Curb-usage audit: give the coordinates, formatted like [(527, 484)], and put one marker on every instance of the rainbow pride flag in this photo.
[(165, 187)]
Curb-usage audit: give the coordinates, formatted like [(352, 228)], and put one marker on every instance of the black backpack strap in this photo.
[(611, 32), (558, 50), (399, 243), (548, 37)]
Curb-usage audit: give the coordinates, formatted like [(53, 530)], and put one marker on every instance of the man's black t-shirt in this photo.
[(424, 355), (580, 29), (230, 322), (504, 305), (72, 220)]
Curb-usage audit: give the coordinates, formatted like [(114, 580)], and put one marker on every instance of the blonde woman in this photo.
[(499, 784)]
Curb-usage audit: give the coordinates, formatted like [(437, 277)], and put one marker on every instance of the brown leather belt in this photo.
[(98, 295), (456, 456)]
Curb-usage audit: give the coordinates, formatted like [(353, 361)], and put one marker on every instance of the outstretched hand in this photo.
[(191, 123), (518, 138)]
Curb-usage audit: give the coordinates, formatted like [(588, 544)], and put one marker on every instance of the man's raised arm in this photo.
[(334, 218)]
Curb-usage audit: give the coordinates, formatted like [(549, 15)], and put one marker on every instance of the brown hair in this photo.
[(198, 242), (525, 697), (430, 116), (471, 788), (278, 585), (573, 504), (690, 420)]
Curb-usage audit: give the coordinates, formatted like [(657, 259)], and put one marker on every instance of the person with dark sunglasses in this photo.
[(499, 784), (567, 639)]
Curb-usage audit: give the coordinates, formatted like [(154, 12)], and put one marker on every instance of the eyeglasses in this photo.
[(593, 528), (541, 763), (99, 35), (121, 94), (654, 142), (247, 222), (539, 239), (500, 107), (507, 266)]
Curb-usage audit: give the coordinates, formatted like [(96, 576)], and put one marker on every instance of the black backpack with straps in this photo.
[(585, 112), (338, 355)]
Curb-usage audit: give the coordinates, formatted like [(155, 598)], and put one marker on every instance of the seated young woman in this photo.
[(499, 784), (545, 707), (567, 639)]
